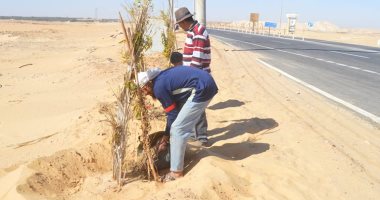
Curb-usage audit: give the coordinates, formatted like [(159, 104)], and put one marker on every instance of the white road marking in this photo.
[(281, 42), (302, 55), (313, 42), (329, 96), (369, 71), (357, 68), (342, 64), (343, 47), (349, 54)]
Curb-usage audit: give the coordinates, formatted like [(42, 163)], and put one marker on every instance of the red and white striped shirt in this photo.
[(197, 51)]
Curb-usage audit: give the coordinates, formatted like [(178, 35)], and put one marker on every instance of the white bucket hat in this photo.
[(144, 77)]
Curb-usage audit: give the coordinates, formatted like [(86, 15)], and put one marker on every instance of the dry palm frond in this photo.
[(118, 116), (137, 41)]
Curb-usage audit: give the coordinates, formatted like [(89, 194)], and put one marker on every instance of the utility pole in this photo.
[(171, 5), (282, 7), (96, 14), (200, 11)]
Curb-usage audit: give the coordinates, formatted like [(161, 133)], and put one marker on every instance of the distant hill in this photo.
[(57, 19)]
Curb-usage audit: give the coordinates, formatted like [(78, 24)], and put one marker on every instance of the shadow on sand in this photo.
[(232, 151), (227, 104), (229, 151), (241, 126)]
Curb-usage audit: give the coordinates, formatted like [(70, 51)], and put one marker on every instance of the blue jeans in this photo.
[(182, 128), (201, 127)]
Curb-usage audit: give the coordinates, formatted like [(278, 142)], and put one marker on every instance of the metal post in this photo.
[(303, 34), (171, 13), (282, 7), (200, 11), (96, 14)]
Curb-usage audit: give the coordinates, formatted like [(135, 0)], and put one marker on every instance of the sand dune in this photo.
[(270, 137)]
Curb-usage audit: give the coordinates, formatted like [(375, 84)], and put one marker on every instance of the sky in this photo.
[(344, 13)]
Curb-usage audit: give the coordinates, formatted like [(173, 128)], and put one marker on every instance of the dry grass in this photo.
[(168, 36)]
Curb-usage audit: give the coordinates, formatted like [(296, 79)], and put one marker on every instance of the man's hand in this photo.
[(163, 143)]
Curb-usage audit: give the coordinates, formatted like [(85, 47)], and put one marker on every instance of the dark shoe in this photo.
[(192, 138), (204, 141)]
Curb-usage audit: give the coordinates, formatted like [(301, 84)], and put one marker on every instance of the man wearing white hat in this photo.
[(193, 88), (196, 53)]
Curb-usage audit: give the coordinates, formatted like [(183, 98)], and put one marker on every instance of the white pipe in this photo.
[(200, 11)]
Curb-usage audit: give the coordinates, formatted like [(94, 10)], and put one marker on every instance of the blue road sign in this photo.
[(270, 24), (310, 24)]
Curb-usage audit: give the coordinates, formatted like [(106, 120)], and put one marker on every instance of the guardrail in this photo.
[(261, 32)]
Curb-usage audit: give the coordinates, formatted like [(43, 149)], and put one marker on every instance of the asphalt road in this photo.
[(350, 73)]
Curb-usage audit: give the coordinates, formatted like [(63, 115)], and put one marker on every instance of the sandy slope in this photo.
[(270, 137), (44, 105), (51, 104)]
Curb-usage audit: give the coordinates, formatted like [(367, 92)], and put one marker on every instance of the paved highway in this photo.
[(347, 74)]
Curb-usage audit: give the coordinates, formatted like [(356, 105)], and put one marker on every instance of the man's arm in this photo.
[(170, 108), (171, 113)]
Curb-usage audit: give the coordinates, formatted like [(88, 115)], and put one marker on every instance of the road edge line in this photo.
[(325, 94)]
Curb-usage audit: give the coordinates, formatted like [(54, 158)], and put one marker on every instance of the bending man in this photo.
[(193, 88)]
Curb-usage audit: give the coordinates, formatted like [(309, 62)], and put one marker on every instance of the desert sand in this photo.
[(270, 137)]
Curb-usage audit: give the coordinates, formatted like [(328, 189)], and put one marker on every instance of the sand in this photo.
[(270, 137), (364, 38)]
